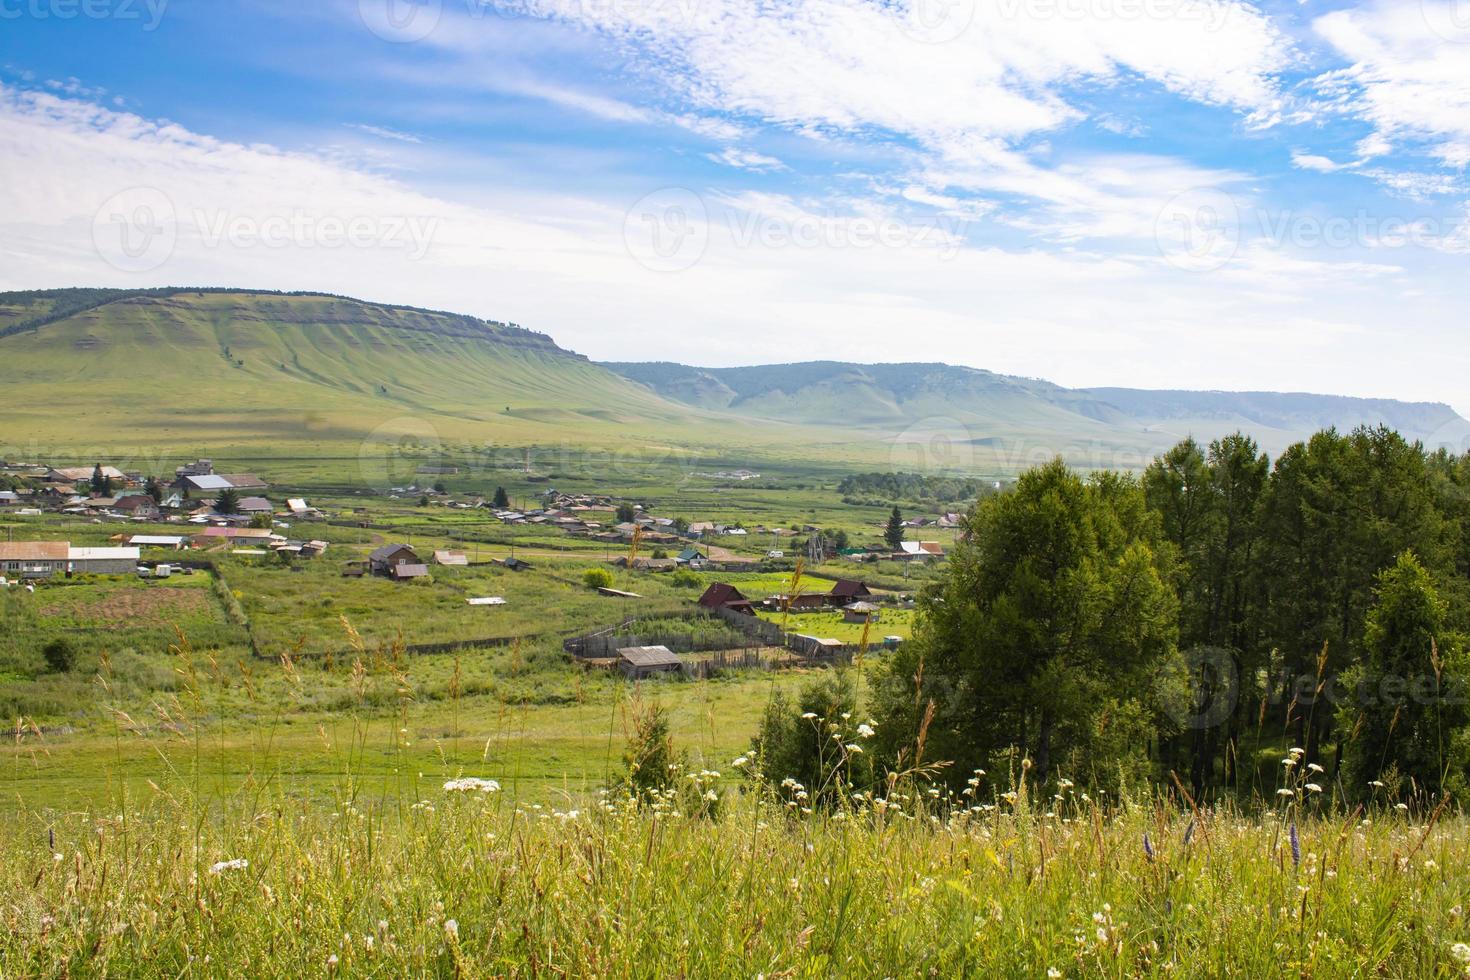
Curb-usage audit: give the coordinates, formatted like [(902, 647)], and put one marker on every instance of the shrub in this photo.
[(60, 655), (597, 578)]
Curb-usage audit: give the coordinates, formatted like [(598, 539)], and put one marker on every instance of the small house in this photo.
[(138, 505), (861, 612), (383, 560), (405, 572), (847, 591), (640, 662), (722, 595), (254, 505)]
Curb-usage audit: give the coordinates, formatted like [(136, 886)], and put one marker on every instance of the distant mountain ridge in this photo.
[(899, 395)]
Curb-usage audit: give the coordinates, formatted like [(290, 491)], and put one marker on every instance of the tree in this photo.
[(651, 763), (424, 500), (597, 578), (1044, 635), (796, 742), (441, 487), (681, 525), (262, 521), (893, 533), (101, 482), (228, 502), (627, 513), (60, 655), (154, 489), (1404, 713), (502, 499)]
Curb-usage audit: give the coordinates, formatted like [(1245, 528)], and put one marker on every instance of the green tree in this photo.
[(597, 578), (502, 499), (441, 487), (1404, 712), (1338, 511), (893, 533), (262, 521), (154, 489), (1044, 634), (101, 482), (626, 513), (796, 742), (60, 655), (228, 501), (424, 500), (650, 761)]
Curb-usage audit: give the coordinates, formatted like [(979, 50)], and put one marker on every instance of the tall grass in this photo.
[(724, 874)]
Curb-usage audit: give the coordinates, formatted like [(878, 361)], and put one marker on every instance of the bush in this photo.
[(60, 655), (597, 578), (685, 579)]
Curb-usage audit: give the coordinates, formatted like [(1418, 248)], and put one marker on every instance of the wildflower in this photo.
[(1286, 792), (854, 748), (866, 731), (740, 762), (451, 930), (1296, 753), (1148, 847), (1288, 762), (1296, 846), (1376, 784), (238, 864), (809, 715), (1314, 787), (1052, 973), (332, 962), (1315, 768), (1461, 952), (58, 858), (1189, 833), (471, 784), (1401, 807)]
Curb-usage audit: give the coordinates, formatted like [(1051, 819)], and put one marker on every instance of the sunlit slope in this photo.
[(252, 369)]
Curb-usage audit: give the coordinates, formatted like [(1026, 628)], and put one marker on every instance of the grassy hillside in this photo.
[(220, 372), (993, 409)]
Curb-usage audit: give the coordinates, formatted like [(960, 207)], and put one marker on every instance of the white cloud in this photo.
[(746, 160), (780, 278), (1406, 76), (1311, 161), (383, 132), (856, 65)]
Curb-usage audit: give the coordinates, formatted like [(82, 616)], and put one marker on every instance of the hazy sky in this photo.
[(1155, 193)]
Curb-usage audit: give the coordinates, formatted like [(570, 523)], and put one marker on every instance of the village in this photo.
[(758, 578)]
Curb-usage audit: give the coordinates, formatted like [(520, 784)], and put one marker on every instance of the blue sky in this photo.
[(1157, 193)]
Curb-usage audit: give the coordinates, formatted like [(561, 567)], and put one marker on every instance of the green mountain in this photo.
[(204, 370), (154, 375), (983, 408)]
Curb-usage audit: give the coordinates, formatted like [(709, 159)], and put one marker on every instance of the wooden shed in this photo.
[(641, 662)]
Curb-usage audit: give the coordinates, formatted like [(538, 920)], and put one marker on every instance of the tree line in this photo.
[(1198, 621)]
